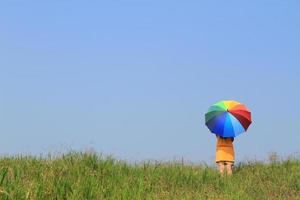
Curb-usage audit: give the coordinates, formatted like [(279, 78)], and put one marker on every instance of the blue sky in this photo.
[(135, 78)]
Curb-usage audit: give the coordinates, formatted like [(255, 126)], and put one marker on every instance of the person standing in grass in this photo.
[(225, 155)]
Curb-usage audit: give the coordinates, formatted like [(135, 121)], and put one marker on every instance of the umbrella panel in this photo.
[(225, 124)]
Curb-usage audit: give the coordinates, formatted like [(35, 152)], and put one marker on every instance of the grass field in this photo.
[(90, 176)]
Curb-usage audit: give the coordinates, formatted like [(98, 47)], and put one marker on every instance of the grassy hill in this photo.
[(90, 176)]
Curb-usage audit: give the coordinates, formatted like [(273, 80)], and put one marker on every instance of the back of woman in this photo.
[(225, 154)]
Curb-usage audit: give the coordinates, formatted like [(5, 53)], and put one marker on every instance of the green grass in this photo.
[(90, 176)]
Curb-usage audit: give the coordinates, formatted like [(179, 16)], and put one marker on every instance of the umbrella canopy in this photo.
[(228, 118)]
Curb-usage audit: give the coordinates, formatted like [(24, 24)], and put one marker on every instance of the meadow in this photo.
[(83, 175)]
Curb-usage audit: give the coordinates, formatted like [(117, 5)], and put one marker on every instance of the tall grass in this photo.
[(90, 176)]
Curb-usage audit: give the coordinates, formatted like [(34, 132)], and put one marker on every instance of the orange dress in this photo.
[(225, 151)]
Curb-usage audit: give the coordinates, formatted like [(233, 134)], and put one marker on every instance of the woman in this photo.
[(225, 155)]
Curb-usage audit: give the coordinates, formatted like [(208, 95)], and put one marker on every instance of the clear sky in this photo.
[(135, 78)]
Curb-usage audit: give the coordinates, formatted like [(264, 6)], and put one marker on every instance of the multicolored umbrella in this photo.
[(228, 118)]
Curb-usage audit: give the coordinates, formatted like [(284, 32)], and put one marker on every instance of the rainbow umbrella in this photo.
[(228, 118)]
